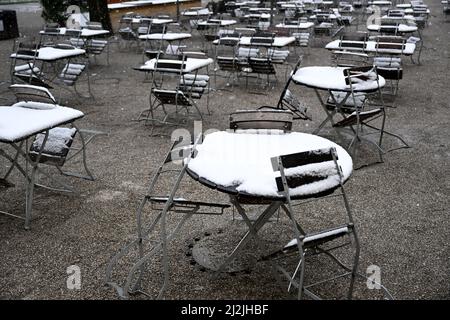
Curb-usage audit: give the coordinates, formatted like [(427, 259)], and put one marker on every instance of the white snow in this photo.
[(243, 160), (165, 36), (51, 54), (332, 78), (302, 25), (400, 28), (371, 46), (19, 121), (277, 42), (191, 64), (57, 141)]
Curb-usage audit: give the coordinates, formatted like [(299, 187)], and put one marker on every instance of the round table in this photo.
[(239, 163), (332, 79)]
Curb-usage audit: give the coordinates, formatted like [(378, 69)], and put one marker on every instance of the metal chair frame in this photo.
[(175, 163)]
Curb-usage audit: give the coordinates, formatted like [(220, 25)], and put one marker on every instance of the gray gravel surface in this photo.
[(400, 206)]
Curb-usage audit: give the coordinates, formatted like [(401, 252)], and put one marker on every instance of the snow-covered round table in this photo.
[(332, 80), (239, 164)]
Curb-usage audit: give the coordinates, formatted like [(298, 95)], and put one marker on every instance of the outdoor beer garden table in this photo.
[(169, 37), (51, 55), (85, 33), (400, 29), (332, 80), (239, 164), (246, 41), (22, 121), (216, 22), (369, 47), (298, 26), (190, 65)]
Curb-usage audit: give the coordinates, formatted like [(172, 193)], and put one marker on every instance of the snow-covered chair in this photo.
[(162, 199), (300, 170)]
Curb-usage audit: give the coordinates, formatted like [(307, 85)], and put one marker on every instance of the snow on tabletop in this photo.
[(18, 122), (332, 78), (37, 88), (191, 64), (371, 46), (49, 53), (243, 160)]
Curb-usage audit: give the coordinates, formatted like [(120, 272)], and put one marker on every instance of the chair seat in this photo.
[(352, 119), (56, 147), (359, 100), (318, 238)]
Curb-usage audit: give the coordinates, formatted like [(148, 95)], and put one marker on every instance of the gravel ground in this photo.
[(400, 206)]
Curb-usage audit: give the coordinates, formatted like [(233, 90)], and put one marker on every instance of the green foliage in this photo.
[(55, 10)]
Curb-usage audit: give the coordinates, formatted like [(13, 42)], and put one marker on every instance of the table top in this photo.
[(153, 20), (165, 36), (25, 119), (85, 33), (302, 25), (241, 162), (52, 54), (277, 42), (216, 22), (403, 28), (191, 65), (332, 78), (196, 13), (370, 46)]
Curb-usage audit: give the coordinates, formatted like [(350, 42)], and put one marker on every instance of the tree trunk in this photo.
[(98, 12)]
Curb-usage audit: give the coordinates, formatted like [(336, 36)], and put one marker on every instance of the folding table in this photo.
[(22, 121), (332, 80), (49, 55), (238, 164)]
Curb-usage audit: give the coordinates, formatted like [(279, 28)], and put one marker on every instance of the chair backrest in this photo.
[(325, 165), (390, 43), (29, 93), (73, 33), (27, 49), (261, 119), (349, 59), (262, 65), (354, 36), (172, 97)]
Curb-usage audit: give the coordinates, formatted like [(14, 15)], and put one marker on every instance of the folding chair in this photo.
[(196, 85), (96, 47), (365, 109), (55, 147), (261, 119), (354, 41), (301, 169), (24, 66), (389, 62), (288, 101), (162, 95), (148, 242), (59, 140)]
